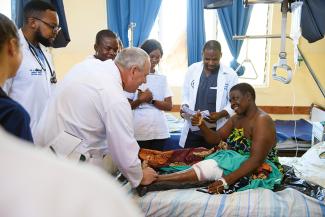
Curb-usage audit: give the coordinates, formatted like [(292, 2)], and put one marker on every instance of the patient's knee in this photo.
[(207, 170)]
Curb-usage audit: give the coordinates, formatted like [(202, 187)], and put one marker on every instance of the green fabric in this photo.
[(239, 143), (230, 161)]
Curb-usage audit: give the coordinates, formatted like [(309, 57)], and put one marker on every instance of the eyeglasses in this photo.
[(55, 29)]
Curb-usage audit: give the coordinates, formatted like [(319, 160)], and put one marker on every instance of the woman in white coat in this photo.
[(206, 87), (150, 101)]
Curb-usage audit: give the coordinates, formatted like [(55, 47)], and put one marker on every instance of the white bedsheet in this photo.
[(257, 202)]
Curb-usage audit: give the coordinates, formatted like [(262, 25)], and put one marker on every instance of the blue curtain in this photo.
[(195, 31), (17, 7), (63, 38), (142, 12), (118, 18), (234, 20)]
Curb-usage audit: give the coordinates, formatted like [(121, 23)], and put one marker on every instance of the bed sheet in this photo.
[(257, 202)]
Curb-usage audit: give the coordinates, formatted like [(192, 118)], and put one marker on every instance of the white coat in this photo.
[(226, 79), (90, 104), (31, 87)]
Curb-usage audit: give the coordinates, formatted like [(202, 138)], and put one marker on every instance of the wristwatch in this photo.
[(224, 183)]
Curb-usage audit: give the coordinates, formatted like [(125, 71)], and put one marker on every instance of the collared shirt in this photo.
[(207, 92), (14, 118), (90, 104), (31, 87)]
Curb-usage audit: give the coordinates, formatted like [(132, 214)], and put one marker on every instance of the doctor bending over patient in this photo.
[(206, 87), (13, 117), (35, 79), (90, 104), (251, 139)]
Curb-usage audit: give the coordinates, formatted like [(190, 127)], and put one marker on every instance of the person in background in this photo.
[(35, 79), (206, 88), (91, 105), (53, 187), (148, 103), (120, 45), (250, 157), (13, 117), (34, 183), (106, 45)]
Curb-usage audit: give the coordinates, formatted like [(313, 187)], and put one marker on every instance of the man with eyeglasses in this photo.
[(35, 79)]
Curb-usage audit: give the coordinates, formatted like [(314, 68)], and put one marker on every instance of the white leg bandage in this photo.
[(207, 170)]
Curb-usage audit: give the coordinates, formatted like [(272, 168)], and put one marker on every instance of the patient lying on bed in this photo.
[(250, 160)]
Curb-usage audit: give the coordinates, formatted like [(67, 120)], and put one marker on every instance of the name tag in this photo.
[(214, 88), (36, 72)]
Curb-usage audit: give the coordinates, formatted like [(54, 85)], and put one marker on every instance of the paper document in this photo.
[(64, 144), (188, 113), (157, 85)]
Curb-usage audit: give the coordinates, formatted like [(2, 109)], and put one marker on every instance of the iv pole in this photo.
[(131, 33)]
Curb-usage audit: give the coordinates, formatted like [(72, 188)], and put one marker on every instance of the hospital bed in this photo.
[(256, 202), (294, 137)]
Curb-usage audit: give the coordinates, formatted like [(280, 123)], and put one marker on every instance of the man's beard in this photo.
[(41, 39)]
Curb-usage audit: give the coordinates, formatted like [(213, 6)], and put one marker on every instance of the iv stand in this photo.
[(131, 33)]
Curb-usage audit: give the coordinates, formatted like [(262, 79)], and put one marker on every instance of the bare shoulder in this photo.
[(264, 119)]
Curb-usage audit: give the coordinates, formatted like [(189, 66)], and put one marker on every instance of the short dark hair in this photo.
[(244, 88), (8, 30), (151, 45), (212, 45), (35, 8), (105, 33)]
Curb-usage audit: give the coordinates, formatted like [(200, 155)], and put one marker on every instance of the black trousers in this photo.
[(195, 140), (155, 144)]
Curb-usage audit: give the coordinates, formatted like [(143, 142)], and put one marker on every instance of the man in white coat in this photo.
[(35, 79), (206, 88), (90, 104)]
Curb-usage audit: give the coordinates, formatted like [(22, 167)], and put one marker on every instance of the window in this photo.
[(171, 32), (258, 25), (6, 8)]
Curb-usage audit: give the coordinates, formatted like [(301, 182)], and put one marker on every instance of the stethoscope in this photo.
[(53, 79)]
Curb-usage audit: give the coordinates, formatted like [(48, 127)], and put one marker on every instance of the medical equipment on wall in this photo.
[(247, 61), (132, 25), (295, 32), (282, 61)]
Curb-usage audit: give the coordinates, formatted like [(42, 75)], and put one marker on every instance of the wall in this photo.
[(85, 19), (83, 28)]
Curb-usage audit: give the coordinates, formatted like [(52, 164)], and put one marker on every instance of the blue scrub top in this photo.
[(14, 118)]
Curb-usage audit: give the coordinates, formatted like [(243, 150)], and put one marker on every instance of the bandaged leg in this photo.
[(207, 170)]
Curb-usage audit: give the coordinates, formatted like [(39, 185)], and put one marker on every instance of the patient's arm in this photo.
[(211, 136)]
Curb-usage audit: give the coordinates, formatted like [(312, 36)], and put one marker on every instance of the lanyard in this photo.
[(53, 79)]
